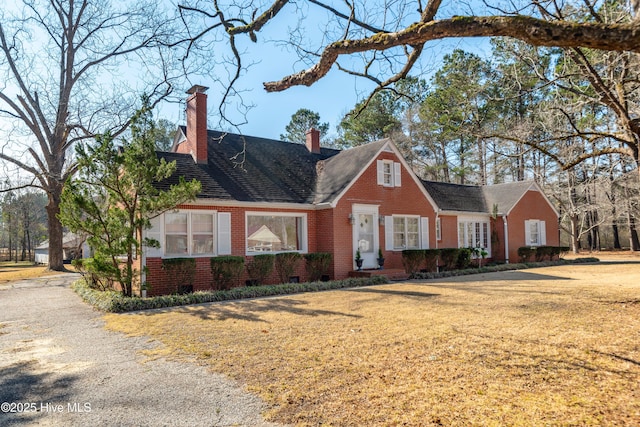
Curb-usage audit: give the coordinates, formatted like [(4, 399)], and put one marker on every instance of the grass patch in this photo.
[(535, 347), (11, 271)]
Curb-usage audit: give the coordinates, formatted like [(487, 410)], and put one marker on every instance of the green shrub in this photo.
[(545, 252), (180, 273), (464, 258), (317, 265), (431, 259), (85, 266), (115, 302), (226, 271), (412, 260), (286, 263), (449, 258), (525, 253), (260, 268)]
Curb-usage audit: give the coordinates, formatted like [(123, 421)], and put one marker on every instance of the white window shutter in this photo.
[(380, 172), (542, 229), (397, 167), (527, 232), (424, 233), (388, 232), (224, 233), (155, 233)]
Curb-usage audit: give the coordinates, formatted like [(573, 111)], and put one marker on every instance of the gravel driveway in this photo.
[(60, 367)]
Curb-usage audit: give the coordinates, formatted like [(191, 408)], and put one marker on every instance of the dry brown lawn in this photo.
[(11, 271), (549, 346)]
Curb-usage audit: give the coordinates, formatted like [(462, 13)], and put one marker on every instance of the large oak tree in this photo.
[(69, 69)]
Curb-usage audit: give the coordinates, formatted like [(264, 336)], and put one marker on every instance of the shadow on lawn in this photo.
[(25, 383), (506, 282), (500, 276), (535, 356), (397, 292), (251, 310)]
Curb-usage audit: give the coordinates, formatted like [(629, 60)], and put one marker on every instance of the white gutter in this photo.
[(506, 239)]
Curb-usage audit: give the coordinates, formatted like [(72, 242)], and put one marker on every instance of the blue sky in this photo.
[(332, 97)]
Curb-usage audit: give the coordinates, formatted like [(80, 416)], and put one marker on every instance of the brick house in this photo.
[(267, 196), (500, 218)]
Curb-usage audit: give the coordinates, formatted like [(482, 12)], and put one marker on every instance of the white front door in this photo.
[(365, 234)]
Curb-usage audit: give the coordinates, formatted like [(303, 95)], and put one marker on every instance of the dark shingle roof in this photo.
[(505, 196), (252, 169), (474, 198), (456, 197), (187, 168), (337, 172)]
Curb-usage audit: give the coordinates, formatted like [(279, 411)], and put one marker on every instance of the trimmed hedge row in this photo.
[(541, 253), (415, 260), (115, 302), (501, 267)]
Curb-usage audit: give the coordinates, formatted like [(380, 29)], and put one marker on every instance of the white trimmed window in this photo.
[(176, 233), (438, 229), (276, 232), (535, 232), (389, 173), (406, 232), (473, 234), (190, 233)]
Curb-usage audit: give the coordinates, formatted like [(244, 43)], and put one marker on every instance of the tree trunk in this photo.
[(575, 242), (616, 234), (634, 242), (56, 262)]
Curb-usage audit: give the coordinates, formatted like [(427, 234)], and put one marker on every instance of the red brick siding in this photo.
[(408, 199), (533, 205), (160, 284)]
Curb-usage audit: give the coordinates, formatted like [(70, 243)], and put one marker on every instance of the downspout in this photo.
[(506, 239), (436, 226)]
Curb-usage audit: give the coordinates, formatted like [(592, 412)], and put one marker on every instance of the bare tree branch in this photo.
[(534, 31)]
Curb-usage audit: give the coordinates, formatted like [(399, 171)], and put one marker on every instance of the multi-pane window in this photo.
[(189, 233), (473, 234), (275, 233), (438, 229), (202, 233), (176, 233), (387, 173), (406, 232)]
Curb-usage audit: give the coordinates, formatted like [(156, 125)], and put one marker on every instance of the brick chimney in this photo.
[(196, 143), (313, 141)]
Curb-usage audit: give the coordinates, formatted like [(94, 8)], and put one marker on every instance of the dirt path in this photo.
[(60, 367)]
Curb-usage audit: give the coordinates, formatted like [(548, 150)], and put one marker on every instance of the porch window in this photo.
[(406, 232), (276, 233), (473, 234)]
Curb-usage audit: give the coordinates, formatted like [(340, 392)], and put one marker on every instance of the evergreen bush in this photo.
[(180, 273), (317, 265), (226, 271), (449, 258), (286, 263), (260, 268), (412, 260)]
